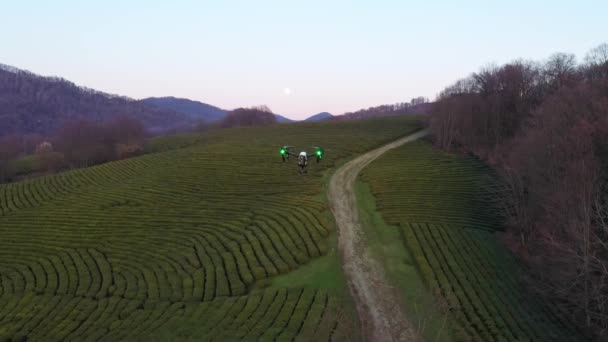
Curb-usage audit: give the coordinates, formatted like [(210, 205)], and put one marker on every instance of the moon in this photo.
[(287, 91)]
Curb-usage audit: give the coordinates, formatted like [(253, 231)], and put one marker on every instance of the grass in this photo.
[(324, 272), (173, 244)]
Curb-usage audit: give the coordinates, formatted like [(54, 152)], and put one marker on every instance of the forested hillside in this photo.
[(30, 103), (544, 127)]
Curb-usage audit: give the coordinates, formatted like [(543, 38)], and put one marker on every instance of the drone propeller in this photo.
[(284, 151), (319, 151)]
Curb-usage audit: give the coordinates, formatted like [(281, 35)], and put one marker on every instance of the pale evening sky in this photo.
[(297, 57)]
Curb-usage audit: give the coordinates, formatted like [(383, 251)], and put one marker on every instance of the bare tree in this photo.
[(255, 116), (596, 63), (83, 144), (48, 159), (598, 55), (9, 150), (124, 130), (560, 69)]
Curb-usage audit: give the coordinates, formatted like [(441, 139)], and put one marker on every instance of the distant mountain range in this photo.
[(193, 109), (283, 119), (320, 116), (31, 103)]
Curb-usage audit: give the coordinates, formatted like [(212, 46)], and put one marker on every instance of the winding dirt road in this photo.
[(380, 314)]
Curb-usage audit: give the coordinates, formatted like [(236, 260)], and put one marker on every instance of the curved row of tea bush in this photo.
[(305, 314), (445, 208)]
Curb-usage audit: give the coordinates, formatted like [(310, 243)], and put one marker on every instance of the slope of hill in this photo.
[(440, 221), (30, 103), (282, 119), (194, 109), (320, 116), (178, 244)]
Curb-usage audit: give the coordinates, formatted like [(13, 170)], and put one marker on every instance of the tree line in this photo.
[(78, 143), (254, 116), (418, 105), (82, 143), (544, 127)]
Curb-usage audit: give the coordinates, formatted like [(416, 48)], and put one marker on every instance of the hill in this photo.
[(208, 238), (282, 119), (31, 103), (193, 109), (320, 116)]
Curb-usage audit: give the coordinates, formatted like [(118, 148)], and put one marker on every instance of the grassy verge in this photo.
[(323, 272), (385, 243)]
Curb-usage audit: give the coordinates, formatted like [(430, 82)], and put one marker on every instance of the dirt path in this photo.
[(380, 314)]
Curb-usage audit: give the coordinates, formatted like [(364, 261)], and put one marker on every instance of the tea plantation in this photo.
[(444, 207), (182, 243)]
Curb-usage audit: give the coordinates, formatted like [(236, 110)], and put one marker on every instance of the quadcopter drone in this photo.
[(302, 157)]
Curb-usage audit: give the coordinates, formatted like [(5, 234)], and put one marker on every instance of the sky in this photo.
[(297, 57)]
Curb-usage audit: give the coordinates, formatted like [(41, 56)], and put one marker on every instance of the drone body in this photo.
[(302, 157)]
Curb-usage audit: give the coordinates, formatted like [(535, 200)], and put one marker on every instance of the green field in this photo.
[(439, 225), (209, 236)]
